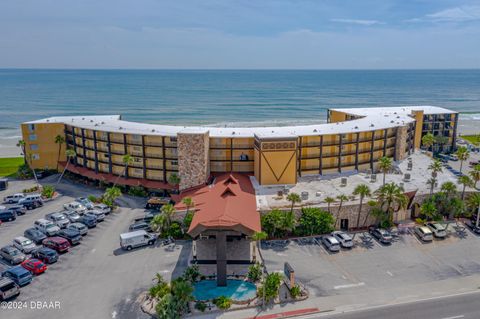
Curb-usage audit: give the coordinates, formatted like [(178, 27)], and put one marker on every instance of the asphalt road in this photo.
[(96, 279), (464, 306)]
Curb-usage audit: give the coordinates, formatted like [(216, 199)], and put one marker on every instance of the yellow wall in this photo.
[(46, 156), (418, 128), (277, 162), (336, 116)]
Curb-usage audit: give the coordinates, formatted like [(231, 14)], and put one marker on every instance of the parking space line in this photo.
[(455, 317), (389, 273), (360, 284)]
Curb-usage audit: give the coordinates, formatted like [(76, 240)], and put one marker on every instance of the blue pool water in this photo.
[(235, 289)]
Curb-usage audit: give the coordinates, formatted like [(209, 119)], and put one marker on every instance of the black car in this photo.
[(34, 235), (7, 216), (47, 255), (140, 226), (73, 236), (32, 203), (17, 209), (88, 220)]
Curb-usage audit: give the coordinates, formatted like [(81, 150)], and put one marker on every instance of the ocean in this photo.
[(226, 97)]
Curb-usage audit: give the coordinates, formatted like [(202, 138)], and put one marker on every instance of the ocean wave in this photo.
[(470, 116)]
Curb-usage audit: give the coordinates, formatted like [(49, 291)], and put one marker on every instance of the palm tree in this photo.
[(371, 204), (431, 182), (436, 167), (342, 198), (21, 144), (391, 198), (329, 200), (188, 202), (429, 210), (463, 154), (465, 181), (69, 153), (111, 194), (127, 160), (174, 179), (158, 223), (60, 140), (258, 236), (30, 164), (363, 191), (428, 140), (289, 221), (385, 164), (475, 175), (449, 188), (293, 198), (168, 211), (473, 203), (441, 140)]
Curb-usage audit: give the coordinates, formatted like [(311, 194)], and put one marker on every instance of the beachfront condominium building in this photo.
[(352, 140)]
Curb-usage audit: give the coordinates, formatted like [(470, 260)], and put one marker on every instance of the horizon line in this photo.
[(238, 69)]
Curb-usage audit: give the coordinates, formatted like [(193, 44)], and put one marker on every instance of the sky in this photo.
[(240, 34)]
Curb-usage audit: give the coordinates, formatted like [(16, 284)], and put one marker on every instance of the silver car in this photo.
[(85, 202), (100, 216), (72, 215), (81, 228), (103, 208), (438, 230), (343, 238), (24, 244), (12, 255), (59, 219), (331, 243)]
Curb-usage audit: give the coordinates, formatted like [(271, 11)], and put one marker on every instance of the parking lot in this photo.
[(405, 265), (95, 279)]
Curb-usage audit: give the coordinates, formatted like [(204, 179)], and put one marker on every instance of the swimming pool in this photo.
[(235, 289)]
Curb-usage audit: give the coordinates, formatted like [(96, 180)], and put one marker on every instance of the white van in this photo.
[(47, 227), (136, 239), (12, 199)]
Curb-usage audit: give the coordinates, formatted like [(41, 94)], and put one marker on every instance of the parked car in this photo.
[(140, 226), (81, 228), (343, 238), (149, 216), (98, 214), (7, 216), (331, 243), (31, 201), (472, 224), (136, 239), (34, 235), (73, 236), (424, 233), (89, 220), (58, 219), (12, 199), (19, 275), (382, 235), (72, 215), (85, 202), (45, 254), (35, 266), (59, 244), (8, 289), (12, 254), (76, 206), (24, 244), (438, 230), (47, 227), (103, 208), (17, 209)]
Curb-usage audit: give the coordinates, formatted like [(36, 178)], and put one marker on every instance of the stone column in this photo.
[(401, 143), (193, 158), (221, 242)]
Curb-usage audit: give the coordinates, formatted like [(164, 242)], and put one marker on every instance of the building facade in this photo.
[(352, 140)]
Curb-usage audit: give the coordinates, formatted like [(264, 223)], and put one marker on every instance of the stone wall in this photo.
[(193, 158), (401, 143)]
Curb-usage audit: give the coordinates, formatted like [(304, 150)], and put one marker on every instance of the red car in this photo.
[(35, 266), (59, 244)]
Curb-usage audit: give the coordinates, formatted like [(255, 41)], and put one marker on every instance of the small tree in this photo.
[(329, 200), (168, 211), (257, 237), (463, 154), (429, 210), (465, 181), (342, 198), (70, 153), (223, 302), (314, 221), (48, 191), (293, 198), (174, 179), (385, 164), (21, 144), (363, 191), (270, 286), (110, 195), (428, 140), (60, 140), (473, 204), (127, 160), (475, 175), (254, 272)]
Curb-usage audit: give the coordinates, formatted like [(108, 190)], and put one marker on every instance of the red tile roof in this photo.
[(110, 178), (229, 203)]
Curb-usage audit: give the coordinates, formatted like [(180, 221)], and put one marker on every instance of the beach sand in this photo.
[(8, 146)]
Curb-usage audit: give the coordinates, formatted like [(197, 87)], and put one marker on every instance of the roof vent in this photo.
[(228, 192), (48, 120), (233, 133), (121, 128), (96, 124), (153, 130), (372, 125), (315, 130), (103, 122), (230, 180), (91, 121), (356, 127), (83, 119), (392, 121)]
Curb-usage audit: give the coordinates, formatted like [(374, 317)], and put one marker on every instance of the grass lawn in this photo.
[(9, 166), (474, 139)]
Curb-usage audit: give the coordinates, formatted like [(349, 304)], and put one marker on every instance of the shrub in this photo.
[(191, 273), (174, 231), (271, 285), (137, 191), (48, 191), (30, 190), (187, 220), (315, 221), (295, 291), (200, 306), (255, 272), (223, 302), (93, 199)]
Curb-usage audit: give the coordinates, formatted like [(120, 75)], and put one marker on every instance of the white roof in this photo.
[(372, 119), (133, 234)]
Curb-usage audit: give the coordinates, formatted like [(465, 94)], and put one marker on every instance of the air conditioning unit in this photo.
[(373, 178), (344, 182), (406, 177), (304, 195)]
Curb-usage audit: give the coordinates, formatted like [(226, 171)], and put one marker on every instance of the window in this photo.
[(174, 162), (173, 138), (137, 148), (34, 147), (137, 160), (32, 137), (35, 156), (136, 137), (31, 127)]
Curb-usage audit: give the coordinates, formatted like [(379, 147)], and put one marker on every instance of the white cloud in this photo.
[(357, 21), (456, 14)]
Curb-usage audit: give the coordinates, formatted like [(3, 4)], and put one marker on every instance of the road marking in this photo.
[(389, 273), (455, 317), (344, 277), (164, 271), (349, 286), (114, 314), (281, 254)]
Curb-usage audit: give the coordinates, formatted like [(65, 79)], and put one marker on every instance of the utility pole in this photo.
[(478, 216)]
